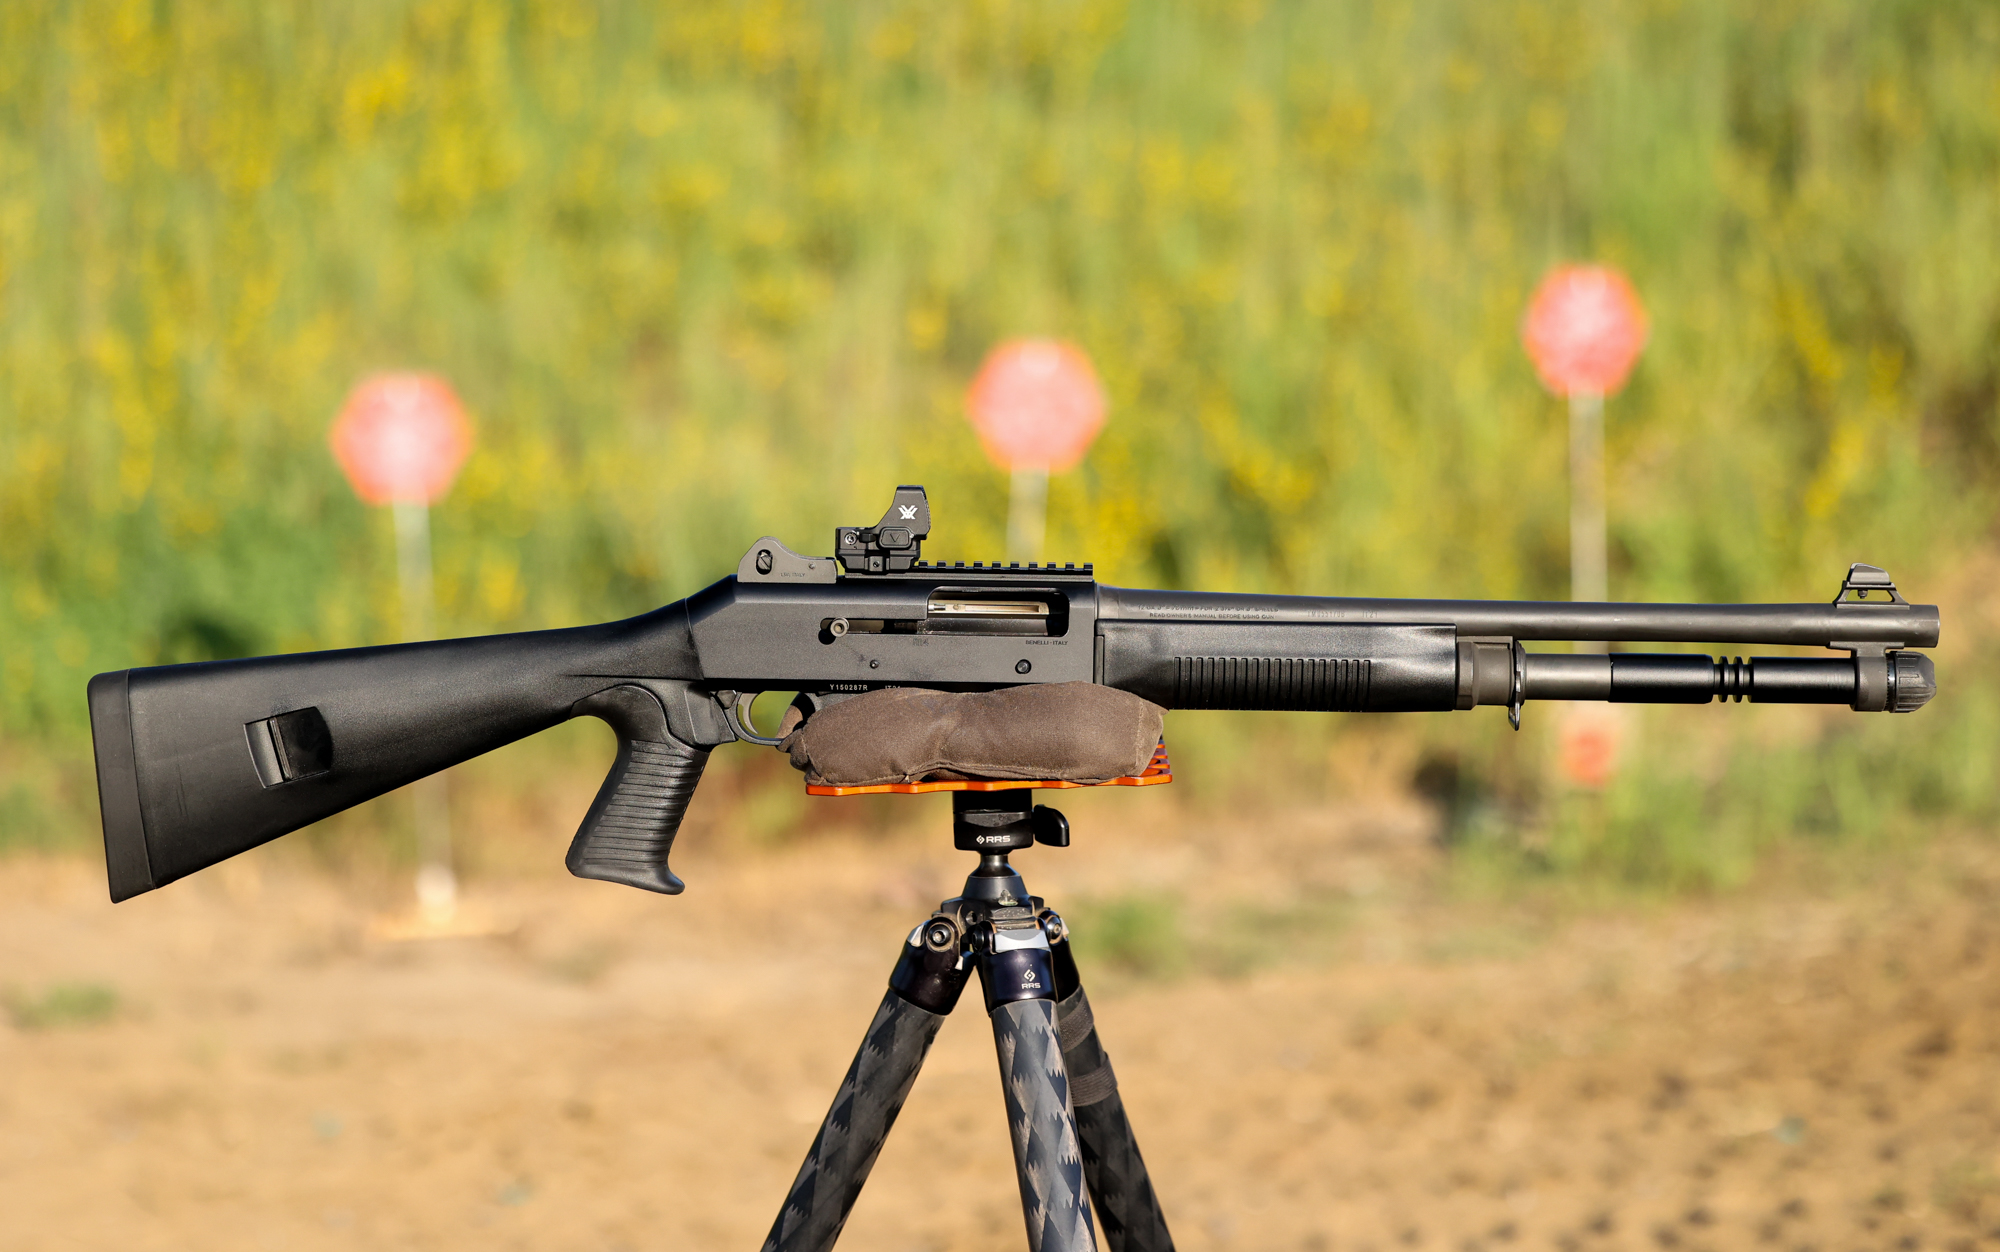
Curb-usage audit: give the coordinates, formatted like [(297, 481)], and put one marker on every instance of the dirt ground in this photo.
[(1337, 1051)]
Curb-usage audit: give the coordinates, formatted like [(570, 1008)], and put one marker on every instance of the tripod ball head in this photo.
[(1004, 821)]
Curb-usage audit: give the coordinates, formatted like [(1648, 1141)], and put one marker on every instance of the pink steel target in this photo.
[(1036, 404), (401, 437), (1584, 329)]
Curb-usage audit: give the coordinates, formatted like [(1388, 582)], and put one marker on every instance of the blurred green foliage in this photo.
[(60, 1005), (1139, 935), (706, 271)]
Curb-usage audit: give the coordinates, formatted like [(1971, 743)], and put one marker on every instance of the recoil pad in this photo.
[(629, 830)]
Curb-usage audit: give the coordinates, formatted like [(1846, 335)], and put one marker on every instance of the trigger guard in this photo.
[(739, 720)]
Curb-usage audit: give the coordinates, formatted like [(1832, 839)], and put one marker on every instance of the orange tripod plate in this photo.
[(1158, 770)]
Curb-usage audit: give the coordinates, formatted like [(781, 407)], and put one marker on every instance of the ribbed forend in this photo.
[(1270, 682)]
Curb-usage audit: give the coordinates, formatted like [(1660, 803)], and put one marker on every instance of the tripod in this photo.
[(1069, 1126)]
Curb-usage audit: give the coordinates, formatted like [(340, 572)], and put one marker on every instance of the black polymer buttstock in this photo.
[(197, 763)]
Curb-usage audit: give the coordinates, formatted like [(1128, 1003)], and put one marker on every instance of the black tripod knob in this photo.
[(1051, 827)]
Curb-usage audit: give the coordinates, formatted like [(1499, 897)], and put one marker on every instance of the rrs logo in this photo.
[(909, 512)]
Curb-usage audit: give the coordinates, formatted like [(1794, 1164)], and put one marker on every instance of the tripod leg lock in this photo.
[(932, 969), (1012, 953)]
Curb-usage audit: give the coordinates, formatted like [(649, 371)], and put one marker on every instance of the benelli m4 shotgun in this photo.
[(196, 763)]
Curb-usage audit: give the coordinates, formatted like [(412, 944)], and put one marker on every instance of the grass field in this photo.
[(708, 271)]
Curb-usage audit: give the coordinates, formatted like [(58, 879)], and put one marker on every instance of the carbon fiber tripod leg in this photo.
[(922, 990), (1126, 1206), (1047, 1159)]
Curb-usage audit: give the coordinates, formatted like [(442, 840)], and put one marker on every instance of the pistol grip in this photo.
[(626, 836)]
